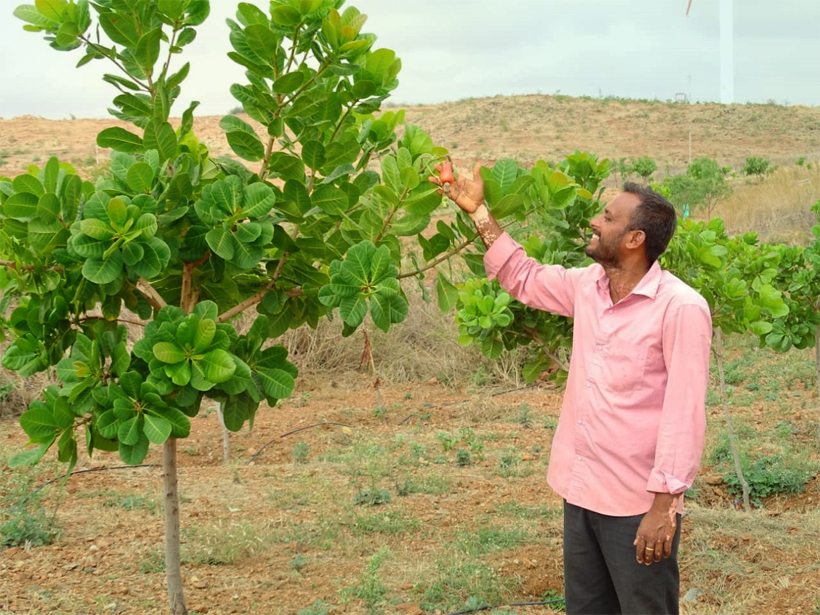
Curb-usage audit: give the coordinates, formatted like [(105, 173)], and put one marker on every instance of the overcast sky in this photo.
[(452, 49)]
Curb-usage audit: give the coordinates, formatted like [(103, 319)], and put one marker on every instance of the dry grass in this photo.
[(741, 558), (778, 208), (421, 348)]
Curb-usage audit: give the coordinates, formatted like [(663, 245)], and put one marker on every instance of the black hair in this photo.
[(655, 216)]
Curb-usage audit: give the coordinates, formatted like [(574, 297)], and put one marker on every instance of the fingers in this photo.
[(640, 548), (477, 172), (660, 548), (667, 546)]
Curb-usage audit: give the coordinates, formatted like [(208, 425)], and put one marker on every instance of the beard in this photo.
[(606, 251)]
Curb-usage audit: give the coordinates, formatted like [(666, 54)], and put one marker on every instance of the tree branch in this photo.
[(170, 55), (537, 339), (151, 294), (139, 323), (438, 260), (13, 265), (186, 300)]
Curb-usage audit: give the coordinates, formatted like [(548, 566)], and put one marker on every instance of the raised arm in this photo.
[(545, 287)]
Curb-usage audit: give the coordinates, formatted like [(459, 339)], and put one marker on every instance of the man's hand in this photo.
[(467, 194), (657, 530)]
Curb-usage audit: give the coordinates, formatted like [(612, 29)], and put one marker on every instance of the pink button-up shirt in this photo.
[(633, 419)]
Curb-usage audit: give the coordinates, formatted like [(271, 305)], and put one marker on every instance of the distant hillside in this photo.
[(522, 127)]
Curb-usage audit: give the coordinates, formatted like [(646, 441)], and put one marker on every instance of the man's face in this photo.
[(610, 230)]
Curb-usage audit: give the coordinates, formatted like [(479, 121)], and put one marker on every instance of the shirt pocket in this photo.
[(624, 369)]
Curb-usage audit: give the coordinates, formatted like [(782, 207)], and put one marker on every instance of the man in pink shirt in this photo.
[(630, 436)]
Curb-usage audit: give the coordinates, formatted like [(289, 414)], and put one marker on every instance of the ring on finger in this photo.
[(649, 549)]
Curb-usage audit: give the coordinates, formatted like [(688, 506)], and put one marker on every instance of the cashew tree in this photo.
[(306, 220)]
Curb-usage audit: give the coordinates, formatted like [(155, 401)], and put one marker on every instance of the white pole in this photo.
[(727, 52)]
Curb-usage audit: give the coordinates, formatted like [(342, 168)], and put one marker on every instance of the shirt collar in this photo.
[(648, 286)]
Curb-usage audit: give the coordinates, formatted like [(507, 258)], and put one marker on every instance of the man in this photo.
[(630, 436)]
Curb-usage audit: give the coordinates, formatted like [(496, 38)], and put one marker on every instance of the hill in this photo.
[(525, 128)]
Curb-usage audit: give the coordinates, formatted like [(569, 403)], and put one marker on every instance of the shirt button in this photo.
[(600, 347), (586, 384), (579, 458), (580, 422)]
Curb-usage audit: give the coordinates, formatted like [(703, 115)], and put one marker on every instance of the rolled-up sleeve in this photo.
[(687, 339), (544, 287)]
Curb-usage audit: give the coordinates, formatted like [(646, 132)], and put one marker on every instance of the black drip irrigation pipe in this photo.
[(100, 469), (290, 433), (501, 606)]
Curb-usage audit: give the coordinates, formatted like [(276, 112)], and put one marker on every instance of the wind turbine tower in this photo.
[(727, 52)]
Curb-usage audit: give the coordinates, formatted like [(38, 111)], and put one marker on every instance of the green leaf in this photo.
[(287, 84), (492, 348), (423, 200), (313, 153), (262, 41), (156, 429), (117, 211), (276, 382), (353, 310), (172, 8), (206, 310), (217, 366), (258, 200), (504, 173), (330, 200), (96, 229), (120, 140), (168, 352), (166, 141), (147, 52), (104, 270), (30, 14), (410, 178), (761, 327), (135, 454), (447, 293), (231, 123), (30, 184), (387, 310), (46, 235), (287, 16), (120, 359), (133, 253), (358, 264), (120, 28), (21, 206), (140, 177), (507, 206), (205, 331), (129, 431), (67, 34), (221, 242), (38, 422), (391, 174), (533, 370), (155, 259), (29, 457), (179, 373), (246, 146), (180, 424), (380, 265)]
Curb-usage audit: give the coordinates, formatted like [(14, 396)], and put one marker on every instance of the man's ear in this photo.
[(636, 240)]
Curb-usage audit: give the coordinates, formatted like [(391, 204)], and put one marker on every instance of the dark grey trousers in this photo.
[(601, 574)]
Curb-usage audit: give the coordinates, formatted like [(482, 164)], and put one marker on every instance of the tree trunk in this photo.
[(226, 437), (732, 441), (817, 370), (173, 566)]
